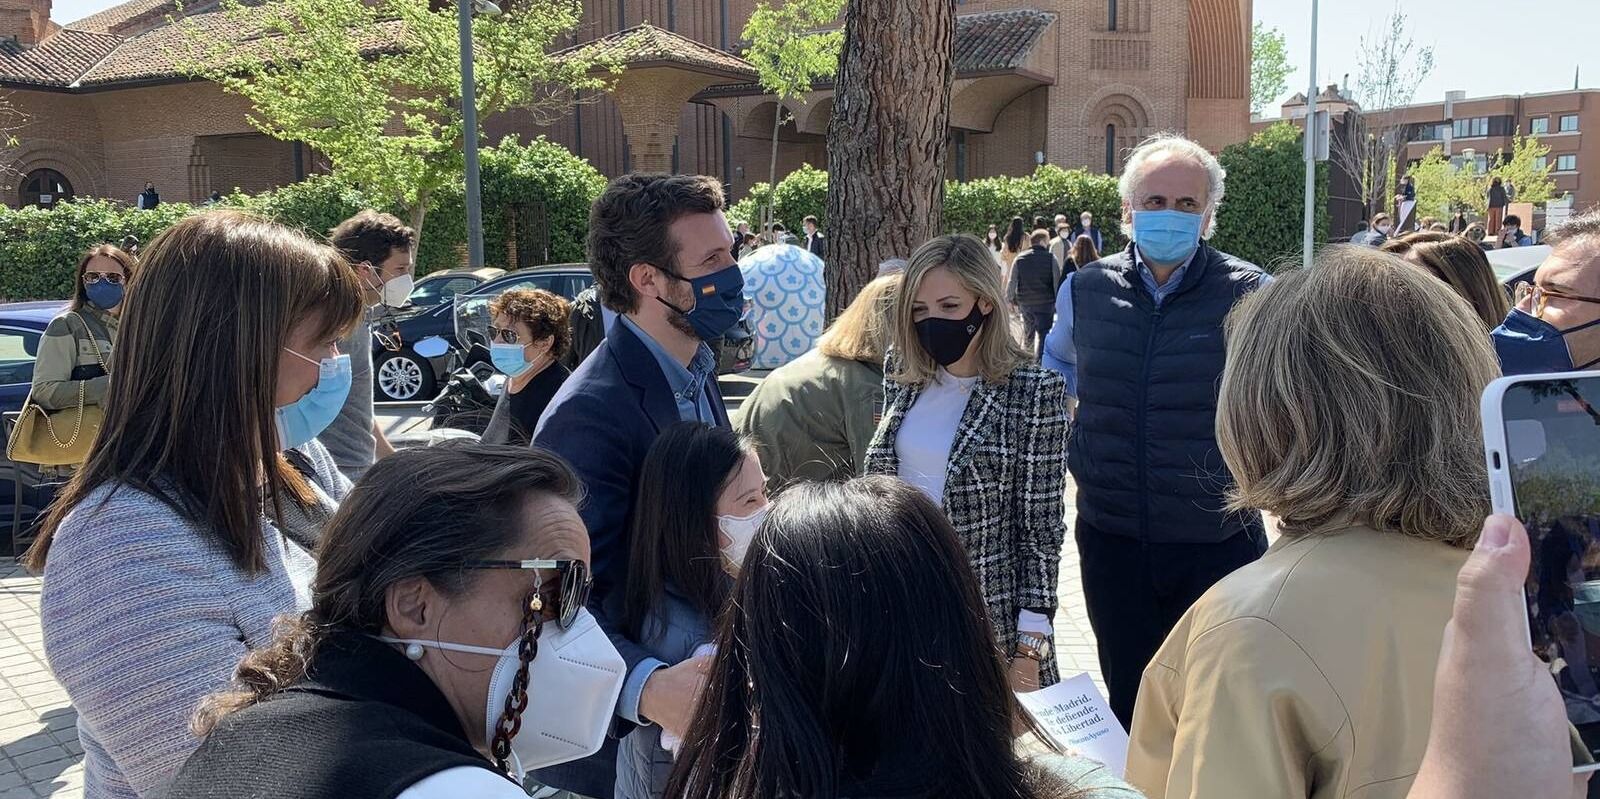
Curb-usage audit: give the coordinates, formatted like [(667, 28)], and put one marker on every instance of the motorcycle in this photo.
[(467, 400)]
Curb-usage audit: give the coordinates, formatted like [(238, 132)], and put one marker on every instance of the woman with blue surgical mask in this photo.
[(191, 525), (446, 652), (528, 335), (701, 498)]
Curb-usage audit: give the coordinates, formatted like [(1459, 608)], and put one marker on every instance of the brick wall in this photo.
[(60, 132)]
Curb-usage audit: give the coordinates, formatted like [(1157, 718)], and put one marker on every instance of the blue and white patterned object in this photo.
[(786, 292)]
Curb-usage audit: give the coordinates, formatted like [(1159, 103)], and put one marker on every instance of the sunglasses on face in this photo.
[(91, 278), (504, 335), (573, 591)]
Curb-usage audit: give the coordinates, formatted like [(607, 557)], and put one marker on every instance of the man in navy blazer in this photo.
[(660, 250)]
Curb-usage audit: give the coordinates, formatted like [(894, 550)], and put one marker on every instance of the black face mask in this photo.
[(946, 340)]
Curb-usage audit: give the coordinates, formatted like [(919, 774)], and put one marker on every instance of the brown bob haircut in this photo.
[(115, 253), (1350, 396)]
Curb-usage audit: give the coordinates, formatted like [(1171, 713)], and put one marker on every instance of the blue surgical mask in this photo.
[(1529, 345), (1167, 237), (104, 295), (306, 418), (508, 359), (718, 302)]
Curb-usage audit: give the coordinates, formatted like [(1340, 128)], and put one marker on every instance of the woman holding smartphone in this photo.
[(1310, 672)]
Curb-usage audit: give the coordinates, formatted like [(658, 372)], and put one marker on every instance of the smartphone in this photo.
[(1541, 438)]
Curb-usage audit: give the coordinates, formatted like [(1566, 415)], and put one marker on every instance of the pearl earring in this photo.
[(414, 652)]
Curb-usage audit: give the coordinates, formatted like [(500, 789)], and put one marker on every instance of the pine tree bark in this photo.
[(888, 137)]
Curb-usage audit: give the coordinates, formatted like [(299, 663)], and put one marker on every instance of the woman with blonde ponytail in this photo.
[(446, 651)]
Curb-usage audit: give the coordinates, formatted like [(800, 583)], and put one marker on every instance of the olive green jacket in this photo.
[(813, 417), (65, 346)]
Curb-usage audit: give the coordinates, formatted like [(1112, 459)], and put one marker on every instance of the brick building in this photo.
[(1069, 82), (1568, 122)]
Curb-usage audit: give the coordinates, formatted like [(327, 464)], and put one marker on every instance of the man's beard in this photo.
[(680, 321)]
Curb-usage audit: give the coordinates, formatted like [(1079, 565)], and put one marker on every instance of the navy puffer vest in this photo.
[(1144, 447)]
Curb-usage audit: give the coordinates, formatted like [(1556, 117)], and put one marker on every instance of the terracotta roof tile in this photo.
[(109, 20), (154, 54), (647, 43), (988, 41), (57, 61), (997, 40)]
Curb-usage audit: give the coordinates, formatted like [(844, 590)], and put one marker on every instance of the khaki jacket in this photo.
[(1308, 673), (813, 417)]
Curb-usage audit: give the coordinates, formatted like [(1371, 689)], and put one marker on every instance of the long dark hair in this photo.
[(1083, 251), (1015, 235), (418, 513), (674, 521), (190, 417), (857, 647)]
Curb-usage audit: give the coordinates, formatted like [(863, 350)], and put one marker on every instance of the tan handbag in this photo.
[(58, 438)]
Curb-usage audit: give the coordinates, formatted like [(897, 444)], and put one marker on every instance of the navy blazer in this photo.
[(602, 422)]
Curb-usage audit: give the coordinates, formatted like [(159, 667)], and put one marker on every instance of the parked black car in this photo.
[(401, 375)]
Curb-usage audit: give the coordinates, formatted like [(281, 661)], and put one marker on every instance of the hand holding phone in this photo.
[(1542, 444)]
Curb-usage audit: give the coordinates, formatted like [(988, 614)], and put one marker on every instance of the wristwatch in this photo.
[(1033, 647)]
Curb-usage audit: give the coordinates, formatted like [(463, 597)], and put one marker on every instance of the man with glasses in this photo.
[(1555, 326), (661, 253)]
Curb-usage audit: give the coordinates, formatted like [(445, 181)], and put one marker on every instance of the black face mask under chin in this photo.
[(946, 340)]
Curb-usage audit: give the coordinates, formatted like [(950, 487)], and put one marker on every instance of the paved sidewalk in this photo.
[(39, 752)]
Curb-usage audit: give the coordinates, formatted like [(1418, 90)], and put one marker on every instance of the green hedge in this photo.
[(969, 206), (40, 248), (972, 206), (802, 193), (1260, 219)]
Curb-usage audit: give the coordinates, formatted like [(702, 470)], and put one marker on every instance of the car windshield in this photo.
[(432, 291)]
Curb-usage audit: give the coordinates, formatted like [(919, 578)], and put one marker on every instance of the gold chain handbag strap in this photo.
[(83, 387)]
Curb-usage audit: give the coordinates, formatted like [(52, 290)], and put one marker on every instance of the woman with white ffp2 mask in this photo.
[(701, 499), (447, 650)]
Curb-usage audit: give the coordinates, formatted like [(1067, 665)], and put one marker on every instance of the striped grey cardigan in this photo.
[(144, 615)]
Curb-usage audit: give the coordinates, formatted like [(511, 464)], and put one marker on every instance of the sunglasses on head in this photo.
[(574, 586)]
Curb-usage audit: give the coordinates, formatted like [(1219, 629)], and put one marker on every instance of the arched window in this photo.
[(1111, 146), (45, 188)]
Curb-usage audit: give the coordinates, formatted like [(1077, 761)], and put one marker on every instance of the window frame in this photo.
[(1533, 126), (1571, 158), (24, 332), (1561, 125)]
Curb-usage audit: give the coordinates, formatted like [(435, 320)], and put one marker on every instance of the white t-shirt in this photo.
[(454, 783), (928, 432)]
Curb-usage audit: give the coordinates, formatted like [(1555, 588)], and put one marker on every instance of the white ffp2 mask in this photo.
[(573, 685)]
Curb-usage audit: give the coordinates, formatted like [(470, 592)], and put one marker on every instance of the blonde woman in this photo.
[(1309, 673), (972, 421), (813, 417)]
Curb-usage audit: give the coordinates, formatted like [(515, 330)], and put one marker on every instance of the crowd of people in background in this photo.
[(626, 590)]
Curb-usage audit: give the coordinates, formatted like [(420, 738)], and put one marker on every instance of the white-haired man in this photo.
[(1138, 336)]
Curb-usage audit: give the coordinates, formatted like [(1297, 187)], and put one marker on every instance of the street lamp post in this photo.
[(469, 120), (1311, 145)]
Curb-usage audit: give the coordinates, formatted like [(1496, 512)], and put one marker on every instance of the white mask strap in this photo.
[(475, 650)]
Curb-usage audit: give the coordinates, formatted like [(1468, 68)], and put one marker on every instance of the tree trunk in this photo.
[(888, 137)]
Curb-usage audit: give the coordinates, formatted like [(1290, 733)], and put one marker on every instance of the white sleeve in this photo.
[(1036, 623), (453, 783)]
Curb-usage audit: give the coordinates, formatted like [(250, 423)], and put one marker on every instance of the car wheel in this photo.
[(403, 377)]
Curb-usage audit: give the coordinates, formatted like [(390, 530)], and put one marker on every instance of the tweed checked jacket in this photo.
[(1004, 488)]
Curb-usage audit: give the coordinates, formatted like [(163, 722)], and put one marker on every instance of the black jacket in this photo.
[(365, 724), (1035, 278), (1144, 447)]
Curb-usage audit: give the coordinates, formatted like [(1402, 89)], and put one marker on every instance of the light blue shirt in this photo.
[(689, 385), (1059, 353)]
